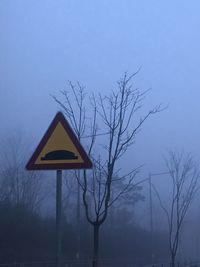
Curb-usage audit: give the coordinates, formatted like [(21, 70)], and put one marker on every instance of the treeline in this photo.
[(26, 236)]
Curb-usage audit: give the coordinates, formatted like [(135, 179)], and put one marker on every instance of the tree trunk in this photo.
[(173, 258), (95, 245)]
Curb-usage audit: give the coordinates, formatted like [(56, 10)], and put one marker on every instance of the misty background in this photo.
[(43, 44), (46, 43)]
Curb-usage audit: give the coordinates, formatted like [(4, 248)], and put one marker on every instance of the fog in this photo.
[(45, 44)]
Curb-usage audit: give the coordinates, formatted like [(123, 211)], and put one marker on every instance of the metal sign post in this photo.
[(58, 217)]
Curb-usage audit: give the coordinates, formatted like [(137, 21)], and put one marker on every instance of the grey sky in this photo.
[(45, 43)]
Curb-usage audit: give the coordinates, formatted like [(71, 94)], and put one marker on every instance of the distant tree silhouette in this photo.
[(184, 175), (16, 184)]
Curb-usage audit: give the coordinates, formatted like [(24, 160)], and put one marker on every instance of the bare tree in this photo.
[(16, 184), (112, 125), (117, 113), (184, 177), (126, 202)]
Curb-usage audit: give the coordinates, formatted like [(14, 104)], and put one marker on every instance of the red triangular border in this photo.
[(87, 164)]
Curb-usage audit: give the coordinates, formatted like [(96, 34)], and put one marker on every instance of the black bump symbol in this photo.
[(59, 155)]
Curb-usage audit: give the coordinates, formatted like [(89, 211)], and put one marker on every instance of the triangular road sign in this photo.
[(59, 149)]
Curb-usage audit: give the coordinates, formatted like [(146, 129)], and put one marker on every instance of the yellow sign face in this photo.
[(59, 143), (59, 149)]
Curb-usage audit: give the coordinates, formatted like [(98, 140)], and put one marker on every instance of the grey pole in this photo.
[(151, 218), (58, 217), (150, 205)]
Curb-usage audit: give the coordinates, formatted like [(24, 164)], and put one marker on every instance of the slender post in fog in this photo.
[(150, 205), (151, 212), (151, 217), (58, 217)]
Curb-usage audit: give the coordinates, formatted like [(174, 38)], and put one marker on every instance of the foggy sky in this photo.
[(43, 44)]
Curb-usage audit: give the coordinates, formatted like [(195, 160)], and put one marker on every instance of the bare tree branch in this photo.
[(184, 176)]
